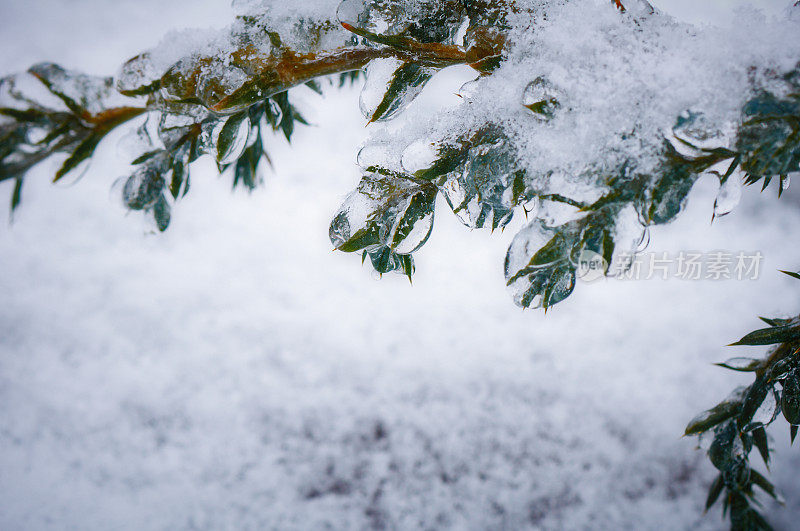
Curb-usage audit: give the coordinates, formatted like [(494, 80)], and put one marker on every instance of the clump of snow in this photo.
[(622, 80), (189, 42), (303, 27), (313, 10), (297, 23)]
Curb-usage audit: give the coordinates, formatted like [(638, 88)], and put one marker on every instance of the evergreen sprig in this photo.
[(739, 423)]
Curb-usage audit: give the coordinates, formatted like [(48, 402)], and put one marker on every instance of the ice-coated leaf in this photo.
[(374, 155), (776, 321), (728, 197), (538, 245), (84, 95), (178, 177), (438, 162), (419, 156), (287, 114), (757, 394), (225, 139), (540, 249), (718, 414), (694, 136), (760, 441), (486, 35), (246, 170), (671, 190), (393, 23), (143, 188), (741, 364), (384, 260), (544, 287), (401, 88), (274, 113), (771, 336), (765, 485), (139, 76), (16, 195), (557, 249), (385, 211), (413, 224), (790, 399), (769, 139), (479, 179), (714, 491), (767, 411), (792, 274), (380, 18), (379, 74), (542, 98), (173, 128), (726, 452), (220, 83), (52, 110), (233, 137), (783, 184), (559, 286), (82, 153), (162, 213), (315, 86), (539, 280), (780, 369)]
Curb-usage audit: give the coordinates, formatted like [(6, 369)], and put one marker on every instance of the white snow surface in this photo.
[(234, 373)]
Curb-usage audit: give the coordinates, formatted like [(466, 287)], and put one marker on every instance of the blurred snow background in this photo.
[(235, 374)]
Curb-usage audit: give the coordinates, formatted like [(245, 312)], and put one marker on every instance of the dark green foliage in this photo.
[(80, 116), (739, 423), (772, 336), (715, 491), (761, 442), (742, 364), (769, 139), (790, 400), (245, 172), (161, 213), (286, 117), (405, 84), (387, 22), (349, 78), (389, 216), (716, 415), (73, 122), (475, 174), (549, 276), (668, 197), (236, 142), (384, 260), (16, 195), (143, 188), (792, 274), (226, 142)]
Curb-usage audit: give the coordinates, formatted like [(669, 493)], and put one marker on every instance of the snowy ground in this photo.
[(236, 374)]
